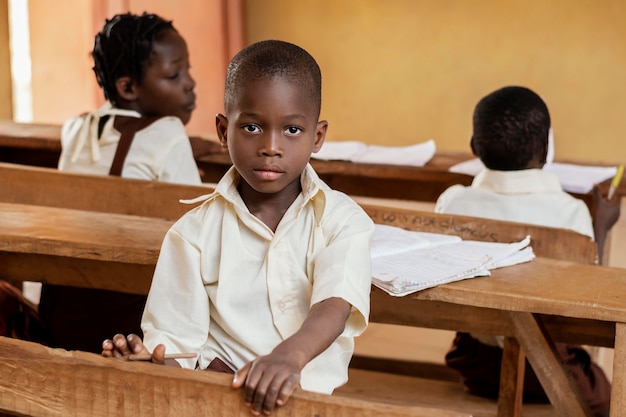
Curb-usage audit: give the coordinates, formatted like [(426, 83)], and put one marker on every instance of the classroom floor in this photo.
[(430, 345)]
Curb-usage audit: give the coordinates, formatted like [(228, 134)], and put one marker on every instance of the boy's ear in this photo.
[(221, 126), (125, 88), (472, 146), (320, 135)]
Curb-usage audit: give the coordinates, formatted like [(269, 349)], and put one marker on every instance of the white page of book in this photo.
[(408, 271), (388, 240), (413, 155)]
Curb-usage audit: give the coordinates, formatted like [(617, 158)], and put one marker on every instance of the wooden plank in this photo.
[(50, 187), (39, 381), (404, 390), (546, 286), (412, 310), (557, 381), (618, 389), (510, 394), (83, 235)]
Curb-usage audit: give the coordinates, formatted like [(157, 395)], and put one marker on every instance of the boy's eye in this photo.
[(293, 130), (173, 76), (251, 129)]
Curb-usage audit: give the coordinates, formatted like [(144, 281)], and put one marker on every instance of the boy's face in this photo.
[(167, 86), (271, 129)]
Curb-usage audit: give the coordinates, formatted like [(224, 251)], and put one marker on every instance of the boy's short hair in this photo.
[(511, 127), (273, 58), (123, 48)]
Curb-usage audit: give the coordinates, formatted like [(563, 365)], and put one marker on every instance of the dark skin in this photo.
[(167, 88), (270, 129), (605, 215)]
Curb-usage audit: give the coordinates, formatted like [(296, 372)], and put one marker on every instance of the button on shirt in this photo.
[(531, 196), (226, 286)]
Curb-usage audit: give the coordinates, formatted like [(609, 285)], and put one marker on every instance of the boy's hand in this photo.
[(268, 381), (121, 347)]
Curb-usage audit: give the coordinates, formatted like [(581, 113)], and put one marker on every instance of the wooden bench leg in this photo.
[(511, 379), (555, 379), (618, 386)]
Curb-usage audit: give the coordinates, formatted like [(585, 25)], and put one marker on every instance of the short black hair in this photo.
[(273, 58), (511, 127), (123, 48)]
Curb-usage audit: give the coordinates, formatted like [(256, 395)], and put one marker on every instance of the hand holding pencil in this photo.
[(131, 348)]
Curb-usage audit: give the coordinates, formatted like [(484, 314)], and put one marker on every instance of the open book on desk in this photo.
[(405, 261)]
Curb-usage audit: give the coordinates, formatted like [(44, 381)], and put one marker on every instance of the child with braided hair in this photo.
[(142, 64)]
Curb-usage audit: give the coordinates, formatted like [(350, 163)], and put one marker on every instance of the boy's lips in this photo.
[(268, 172)]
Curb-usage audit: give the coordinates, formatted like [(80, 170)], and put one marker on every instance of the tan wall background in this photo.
[(6, 110), (404, 71), (395, 72), (62, 38)]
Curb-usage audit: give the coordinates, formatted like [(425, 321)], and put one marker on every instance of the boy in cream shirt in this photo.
[(271, 274)]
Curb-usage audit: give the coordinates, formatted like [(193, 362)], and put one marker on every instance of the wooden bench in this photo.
[(43, 382), (39, 144), (394, 310), (78, 248)]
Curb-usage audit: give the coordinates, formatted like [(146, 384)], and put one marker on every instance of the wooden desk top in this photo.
[(80, 234), (30, 135), (545, 286)]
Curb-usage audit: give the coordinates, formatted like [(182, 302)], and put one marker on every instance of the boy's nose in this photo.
[(271, 144)]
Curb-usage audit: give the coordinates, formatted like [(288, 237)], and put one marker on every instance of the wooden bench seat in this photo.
[(43, 382), (427, 392)]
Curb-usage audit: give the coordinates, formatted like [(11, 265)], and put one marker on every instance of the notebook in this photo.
[(406, 261)]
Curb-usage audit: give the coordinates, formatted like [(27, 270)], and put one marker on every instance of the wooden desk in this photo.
[(38, 381), (518, 301), (39, 145)]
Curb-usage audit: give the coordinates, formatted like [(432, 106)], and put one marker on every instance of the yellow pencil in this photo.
[(616, 180)]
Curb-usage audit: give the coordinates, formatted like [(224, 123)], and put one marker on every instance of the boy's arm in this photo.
[(270, 380), (606, 215)]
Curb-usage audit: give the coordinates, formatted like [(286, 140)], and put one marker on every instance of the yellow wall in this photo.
[(6, 107), (403, 71), (62, 38)]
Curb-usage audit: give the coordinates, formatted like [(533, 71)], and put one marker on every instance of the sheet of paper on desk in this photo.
[(354, 151), (574, 178), (404, 261)]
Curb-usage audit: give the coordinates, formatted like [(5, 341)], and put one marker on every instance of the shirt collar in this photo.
[(517, 182), (313, 190)]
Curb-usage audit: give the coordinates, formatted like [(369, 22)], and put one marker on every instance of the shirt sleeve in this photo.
[(343, 267), (177, 309)]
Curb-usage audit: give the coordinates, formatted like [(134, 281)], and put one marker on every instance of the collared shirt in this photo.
[(159, 152), (226, 286), (531, 196)]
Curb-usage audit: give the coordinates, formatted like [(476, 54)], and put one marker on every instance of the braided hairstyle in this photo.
[(123, 48)]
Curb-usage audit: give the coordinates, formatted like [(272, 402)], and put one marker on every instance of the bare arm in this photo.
[(606, 215), (270, 380)]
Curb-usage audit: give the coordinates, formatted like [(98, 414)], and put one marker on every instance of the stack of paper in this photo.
[(354, 151), (404, 261)]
